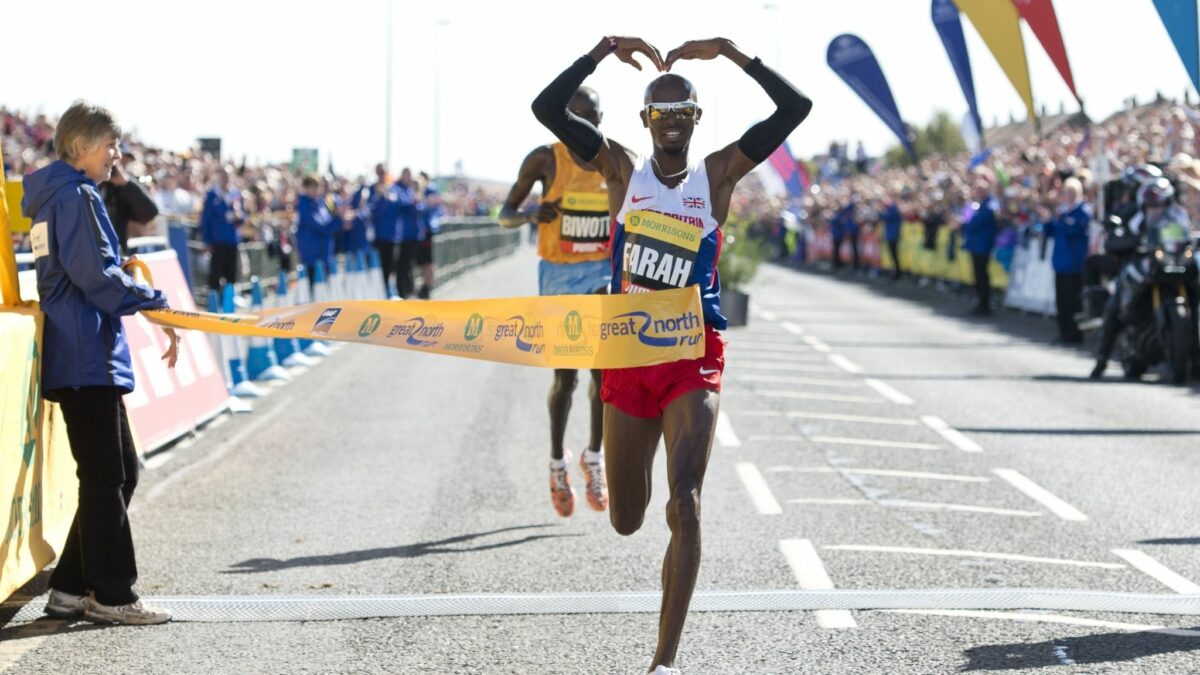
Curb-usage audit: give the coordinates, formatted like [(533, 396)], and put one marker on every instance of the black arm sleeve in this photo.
[(550, 108), (791, 107)]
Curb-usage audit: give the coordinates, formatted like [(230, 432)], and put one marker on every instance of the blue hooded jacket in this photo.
[(410, 215), (82, 288), (979, 233), (315, 230), (1070, 232), (219, 220), (892, 220), (356, 238), (385, 212)]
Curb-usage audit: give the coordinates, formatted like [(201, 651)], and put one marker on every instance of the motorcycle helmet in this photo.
[(1138, 175), (1157, 192)]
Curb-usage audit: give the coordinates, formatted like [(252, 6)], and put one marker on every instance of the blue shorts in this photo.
[(581, 278)]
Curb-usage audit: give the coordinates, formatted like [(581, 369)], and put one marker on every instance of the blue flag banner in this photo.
[(1179, 16), (949, 27), (854, 62)]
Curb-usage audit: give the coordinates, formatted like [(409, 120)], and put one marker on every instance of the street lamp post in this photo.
[(437, 98), (387, 105)]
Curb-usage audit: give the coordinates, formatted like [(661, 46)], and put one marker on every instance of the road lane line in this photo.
[(1040, 494), (845, 364), (839, 440), (760, 492), (919, 506), (1049, 618), (817, 345), (787, 379), (1160, 572), (792, 328), (956, 553), (762, 438), (725, 434), (899, 421), (776, 365), (954, 436), (768, 356), (888, 392), (768, 315), (768, 344), (925, 475), (810, 573), (807, 396)]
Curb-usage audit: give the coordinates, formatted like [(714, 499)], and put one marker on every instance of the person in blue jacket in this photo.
[(220, 219), (892, 219), (1070, 232), (385, 214), (409, 200), (86, 366), (430, 213), (356, 235), (845, 225), (979, 237), (316, 227)]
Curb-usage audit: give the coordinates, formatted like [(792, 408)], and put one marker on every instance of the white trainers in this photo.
[(592, 464), (133, 614), (62, 605), (562, 495), (663, 670)]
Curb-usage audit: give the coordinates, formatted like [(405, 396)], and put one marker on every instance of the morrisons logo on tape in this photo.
[(369, 326), (573, 326)]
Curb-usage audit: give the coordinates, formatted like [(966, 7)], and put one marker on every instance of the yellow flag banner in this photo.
[(559, 331), (998, 23), (10, 293)]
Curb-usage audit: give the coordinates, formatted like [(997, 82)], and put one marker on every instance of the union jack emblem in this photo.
[(693, 202)]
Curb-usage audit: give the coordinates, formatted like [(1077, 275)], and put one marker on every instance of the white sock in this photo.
[(558, 463), (592, 457)]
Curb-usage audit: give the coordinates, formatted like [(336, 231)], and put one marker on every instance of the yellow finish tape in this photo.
[(558, 331)]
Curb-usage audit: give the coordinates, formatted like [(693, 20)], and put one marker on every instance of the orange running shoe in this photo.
[(597, 485), (561, 494)]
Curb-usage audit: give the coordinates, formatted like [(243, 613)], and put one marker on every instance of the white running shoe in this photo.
[(663, 670), (62, 605), (133, 614), (561, 493), (592, 464)]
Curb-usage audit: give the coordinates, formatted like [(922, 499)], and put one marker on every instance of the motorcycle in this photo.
[(1155, 292)]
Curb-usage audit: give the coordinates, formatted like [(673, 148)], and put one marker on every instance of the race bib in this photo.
[(39, 239), (585, 222), (660, 252)]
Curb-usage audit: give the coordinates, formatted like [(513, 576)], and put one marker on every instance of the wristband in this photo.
[(612, 43)]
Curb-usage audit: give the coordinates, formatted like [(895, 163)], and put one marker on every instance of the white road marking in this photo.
[(775, 365), (1049, 618), (760, 492), (888, 392), (1040, 494), (763, 355), (783, 437), (810, 573), (954, 436), (845, 364), (817, 344), (839, 398), (787, 379), (920, 506), (1157, 570), (839, 440), (768, 315), (880, 472), (788, 346), (792, 328), (725, 435), (973, 554), (901, 421)]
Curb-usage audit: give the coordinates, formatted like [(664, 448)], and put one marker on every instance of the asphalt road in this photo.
[(872, 438)]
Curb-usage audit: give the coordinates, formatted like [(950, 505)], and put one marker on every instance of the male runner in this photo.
[(573, 245), (678, 400)]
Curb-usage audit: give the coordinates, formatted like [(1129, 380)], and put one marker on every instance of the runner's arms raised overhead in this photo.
[(728, 165), (538, 166), (581, 137)]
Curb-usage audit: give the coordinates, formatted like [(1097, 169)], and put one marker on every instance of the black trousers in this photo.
[(894, 249), (406, 266), (223, 267), (837, 252), (1068, 300), (983, 282), (387, 264), (98, 555)]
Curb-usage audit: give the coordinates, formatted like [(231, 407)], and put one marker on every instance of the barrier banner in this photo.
[(38, 490), (563, 331), (168, 403)]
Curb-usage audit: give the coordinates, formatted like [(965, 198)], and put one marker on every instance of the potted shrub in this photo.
[(740, 257)]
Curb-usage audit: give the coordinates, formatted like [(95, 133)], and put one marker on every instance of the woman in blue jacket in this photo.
[(86, 366), (316, 227)]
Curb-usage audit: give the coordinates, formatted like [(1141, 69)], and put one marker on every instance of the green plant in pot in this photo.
[(741, 255)]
